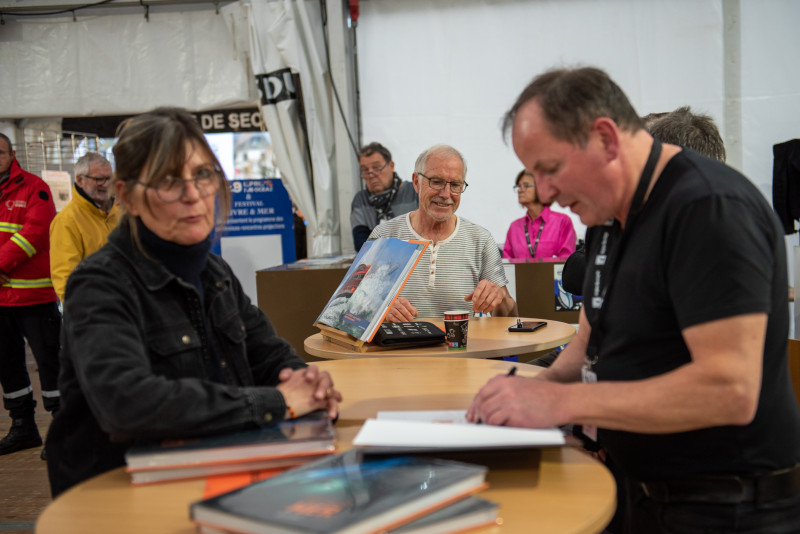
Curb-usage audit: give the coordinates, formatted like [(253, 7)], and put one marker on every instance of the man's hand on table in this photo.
[(401, 311)]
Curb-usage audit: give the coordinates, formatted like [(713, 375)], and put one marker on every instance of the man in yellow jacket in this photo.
[(82, 227)]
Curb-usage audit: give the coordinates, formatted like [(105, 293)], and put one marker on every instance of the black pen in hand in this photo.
[(511, 372)]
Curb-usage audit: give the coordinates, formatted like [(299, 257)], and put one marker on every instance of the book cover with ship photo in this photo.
[(369, 287)]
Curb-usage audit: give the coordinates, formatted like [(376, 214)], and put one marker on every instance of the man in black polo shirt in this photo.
[(680, 359)]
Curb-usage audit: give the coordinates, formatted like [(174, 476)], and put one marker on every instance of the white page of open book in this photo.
[(448, 429), (428, 416)]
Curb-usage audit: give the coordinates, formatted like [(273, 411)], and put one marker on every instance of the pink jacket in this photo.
[(557, 239)]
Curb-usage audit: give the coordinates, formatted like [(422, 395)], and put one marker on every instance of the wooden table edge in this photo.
[(316, 346)]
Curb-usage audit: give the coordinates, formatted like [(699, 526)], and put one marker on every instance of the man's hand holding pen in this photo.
[(472, 415), (520, 401)]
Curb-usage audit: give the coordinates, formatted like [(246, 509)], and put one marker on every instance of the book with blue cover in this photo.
[(348, 493), (370, 286), (466, 514)]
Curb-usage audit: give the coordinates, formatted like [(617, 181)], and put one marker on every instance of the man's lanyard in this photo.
[(606, 261), (528, 238)]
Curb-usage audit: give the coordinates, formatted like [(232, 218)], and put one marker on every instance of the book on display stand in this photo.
[(359, 305)]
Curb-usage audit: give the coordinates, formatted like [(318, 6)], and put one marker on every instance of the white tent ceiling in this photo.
[(46, 7), (116, 61)]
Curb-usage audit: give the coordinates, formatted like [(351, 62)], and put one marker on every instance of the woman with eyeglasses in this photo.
[(541, 233), (159, 339)]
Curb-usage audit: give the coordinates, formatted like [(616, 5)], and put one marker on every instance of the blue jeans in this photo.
[(646, 516)]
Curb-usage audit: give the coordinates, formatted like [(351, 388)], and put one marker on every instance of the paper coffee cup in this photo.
[(456, 324)]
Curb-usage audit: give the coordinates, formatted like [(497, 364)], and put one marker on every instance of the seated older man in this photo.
[(461, 268)]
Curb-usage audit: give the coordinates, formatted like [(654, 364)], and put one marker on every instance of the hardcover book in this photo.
[(269, 465), (288, 443), (463, 515), (466, 514), (343, 493), (378, 273)]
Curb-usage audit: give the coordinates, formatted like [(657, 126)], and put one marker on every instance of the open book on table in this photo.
[(440, 430), (378, 273)]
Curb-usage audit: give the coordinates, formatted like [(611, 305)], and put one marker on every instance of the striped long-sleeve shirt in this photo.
[(450, 270)]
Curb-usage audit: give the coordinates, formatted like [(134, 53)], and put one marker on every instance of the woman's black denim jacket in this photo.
[(135, 363)]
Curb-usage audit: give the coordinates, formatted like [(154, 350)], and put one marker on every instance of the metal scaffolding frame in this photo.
[(54, 150)]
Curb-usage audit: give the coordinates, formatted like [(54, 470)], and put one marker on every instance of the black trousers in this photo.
[(645, 515), (40, 324)]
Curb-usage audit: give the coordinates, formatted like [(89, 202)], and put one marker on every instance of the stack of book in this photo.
[(285, 445), (355, 493)]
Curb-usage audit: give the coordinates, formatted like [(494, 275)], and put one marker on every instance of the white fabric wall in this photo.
[(115, 62), (770, 100), (770, 84), (446, 71)]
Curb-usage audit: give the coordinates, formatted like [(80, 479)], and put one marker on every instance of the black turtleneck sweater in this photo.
[(187, 263), (184, 261)]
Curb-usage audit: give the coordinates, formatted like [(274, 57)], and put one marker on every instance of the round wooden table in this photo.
[(552, 490), (488, 337)]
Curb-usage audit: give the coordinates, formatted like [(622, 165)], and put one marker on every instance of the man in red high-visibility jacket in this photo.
[(28, 302)]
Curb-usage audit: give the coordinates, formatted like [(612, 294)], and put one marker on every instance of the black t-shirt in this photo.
[(705, 246)]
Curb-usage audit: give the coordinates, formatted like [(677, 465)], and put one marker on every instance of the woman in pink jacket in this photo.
[(541, 233)]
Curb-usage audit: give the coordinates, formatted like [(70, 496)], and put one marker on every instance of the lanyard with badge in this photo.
[(528, 238), (611, 245)]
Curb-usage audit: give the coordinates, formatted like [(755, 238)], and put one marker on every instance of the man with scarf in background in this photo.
[(386, 195)]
